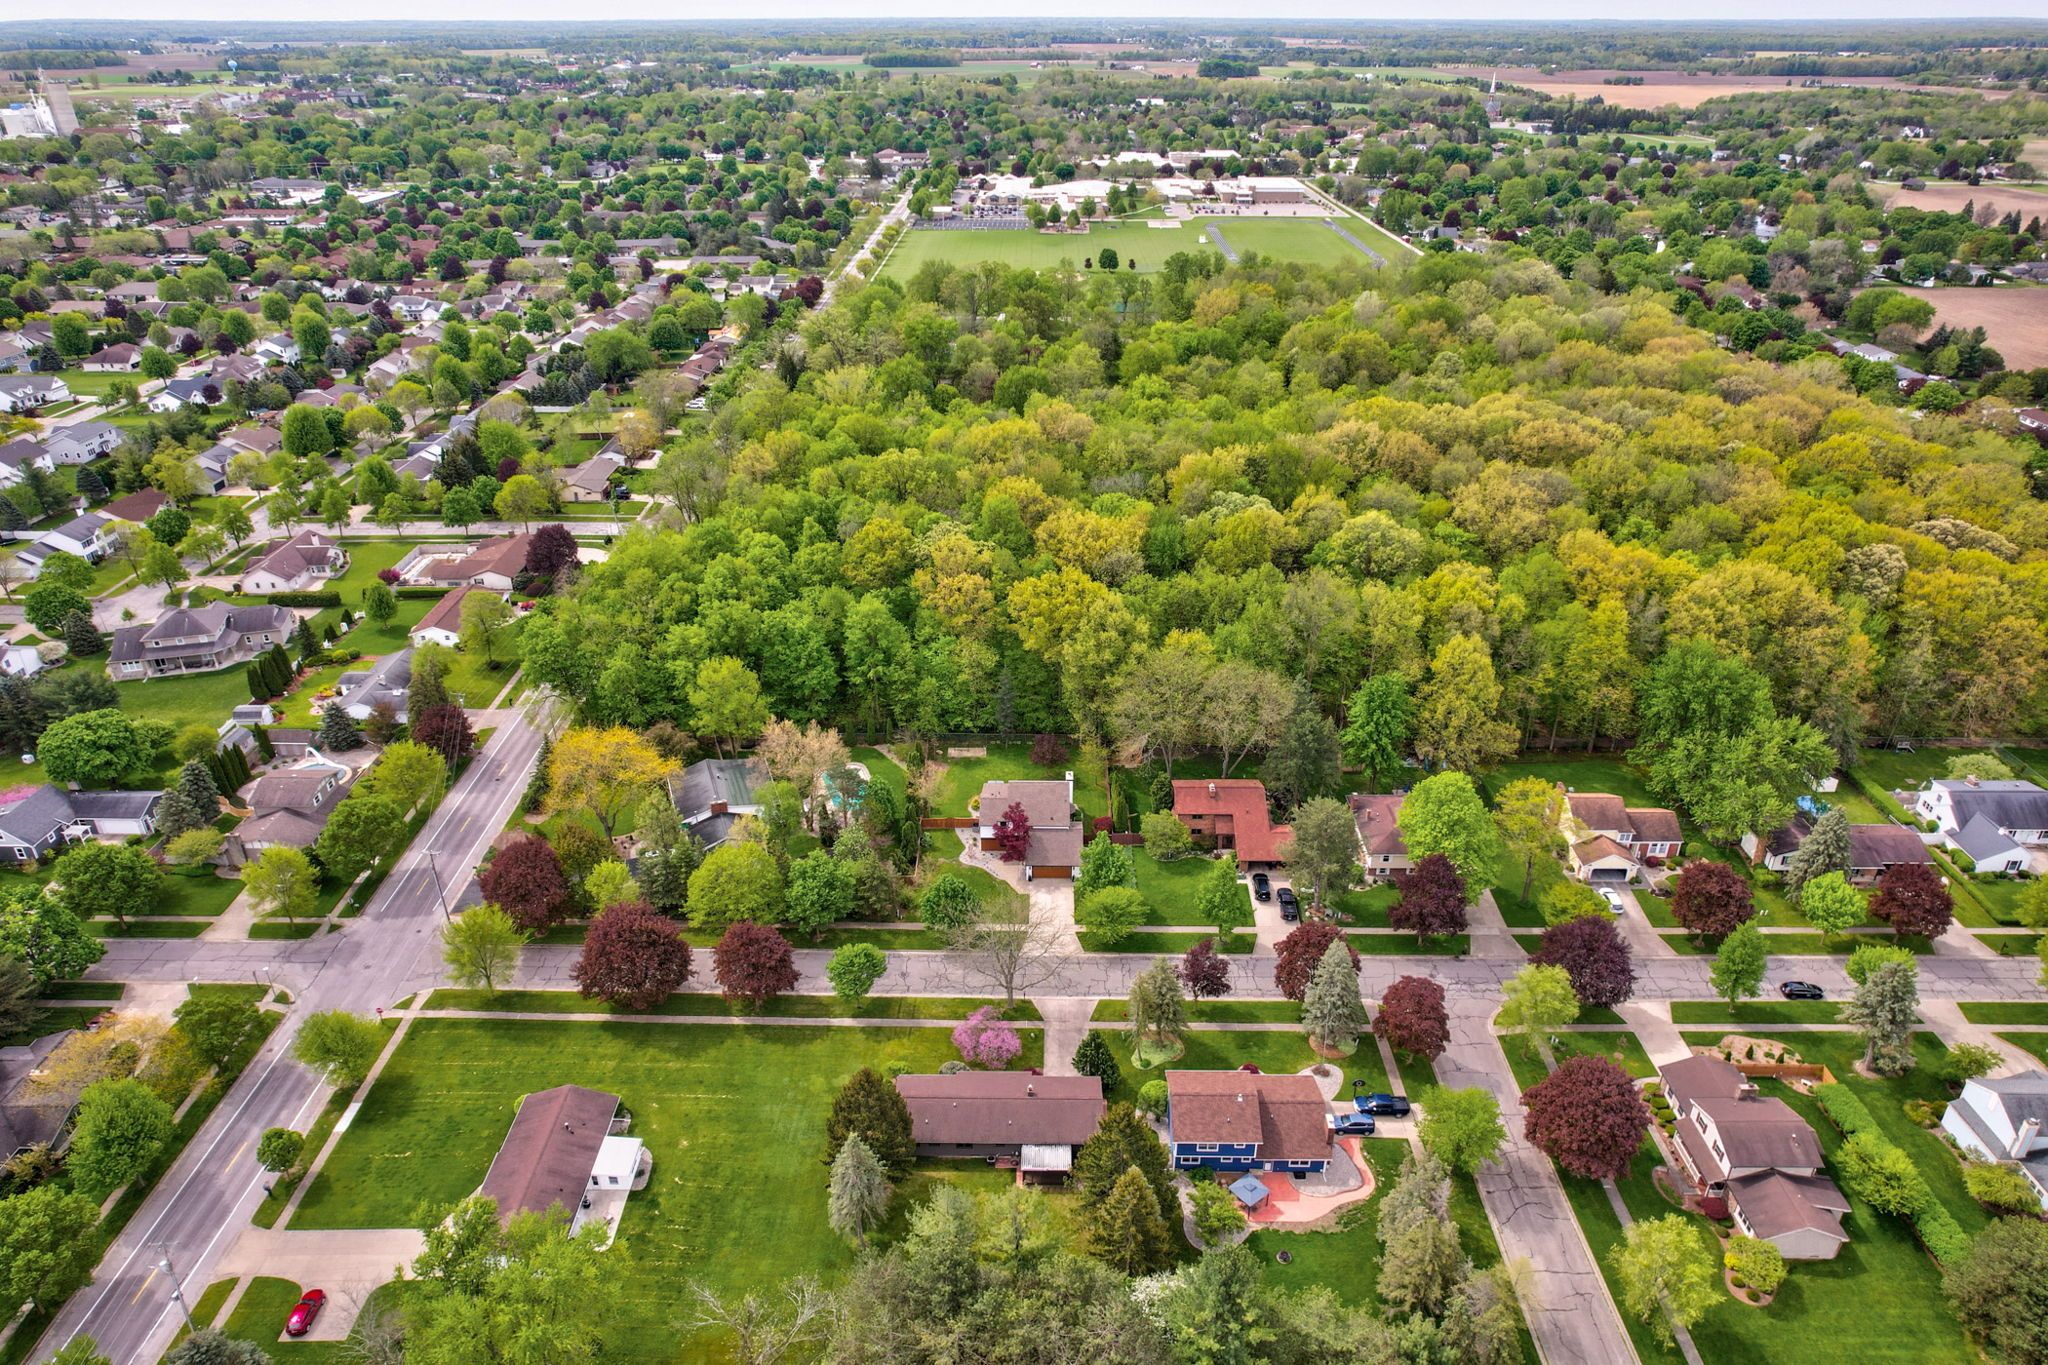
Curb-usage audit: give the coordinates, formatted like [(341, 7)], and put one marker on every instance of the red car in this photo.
[(304, 1312)]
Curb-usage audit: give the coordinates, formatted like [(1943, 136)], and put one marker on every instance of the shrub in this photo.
[(1882, 1176), (2001, 1189), (1166, 838), (1843, 1109), (1944, 1239), (1152, 1098), (303, 599), (1217, 1213), (1923, 1112), (1755, 1263)]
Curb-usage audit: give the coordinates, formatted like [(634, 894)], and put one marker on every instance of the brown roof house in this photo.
[(1056, 831), (568, 1149), (1612, 841), (1244, 1121), (1873, 849), (1231, 812), (1004, 1116), (295, 565), (1758, 1154), (1381, 849), (496, 563), (443, 624), (289, 809)]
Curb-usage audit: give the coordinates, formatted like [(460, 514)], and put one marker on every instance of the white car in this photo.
[(1613, 899)]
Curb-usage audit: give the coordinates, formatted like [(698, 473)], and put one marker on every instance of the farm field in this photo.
[(1661, 88), (2013, 316)]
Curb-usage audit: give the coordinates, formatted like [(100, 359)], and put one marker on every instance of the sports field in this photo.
[(1299, 239)]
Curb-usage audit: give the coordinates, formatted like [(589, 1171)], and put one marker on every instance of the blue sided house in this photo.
[(1244, 1121)]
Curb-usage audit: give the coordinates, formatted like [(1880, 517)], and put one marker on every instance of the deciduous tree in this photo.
[(481, 946), (1596, 958), (46, 1245), (738, 881), (1711, 898), (107, 880), (1667, 1273), (1738, 969), (119, 1130), (1537, 1001), (633, 956), (603, 772), (1297, 955), (1831, 905), (752, 962), (1412, 1017), (1323, 854), (341, 1046), (1527, 816), (1443, 814), (1461, 1128), (1587, 1116), (1912, 898), (1432, 899), (854, 970), (281, 882), (1205, 972), (525, 880)]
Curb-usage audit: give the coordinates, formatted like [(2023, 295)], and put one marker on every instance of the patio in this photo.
[(1299, 1201)]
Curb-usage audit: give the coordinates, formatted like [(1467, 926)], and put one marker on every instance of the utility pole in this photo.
[(177, 1294), (439, 890)]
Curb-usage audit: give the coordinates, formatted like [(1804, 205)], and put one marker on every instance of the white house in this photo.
[(2005, 1121), (1611, 841), (1382, 851), (86, 536), (83, 443), (21, 661), (294, 565), (20, 392), (1995, 822), (280, 348), (443, 625)]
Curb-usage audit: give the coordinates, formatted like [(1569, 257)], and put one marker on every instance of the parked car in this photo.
[(1262, 886), (303, 1313), (1613, 899), (1290, 907), (1352, 1125), (1802, 990), (1380, 1102)]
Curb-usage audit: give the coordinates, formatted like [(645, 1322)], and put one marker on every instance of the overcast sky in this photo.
[(552, 10)]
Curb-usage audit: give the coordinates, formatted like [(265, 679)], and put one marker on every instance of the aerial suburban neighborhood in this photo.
[(1152, 691)]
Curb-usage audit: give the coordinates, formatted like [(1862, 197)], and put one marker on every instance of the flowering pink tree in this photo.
[(987, 1041)]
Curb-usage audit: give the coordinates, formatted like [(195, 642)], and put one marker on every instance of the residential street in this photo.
[(206, 1199)]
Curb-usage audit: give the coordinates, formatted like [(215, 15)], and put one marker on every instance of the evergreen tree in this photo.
[(304, 643), (1159, 1013), (91, 485), (176, 814), (1126, 1229), (196, 781), (869, 1107), (1331, 1013), (1885, 1007), (1122, 1140), (82, 637), (259, 680), (22, 718), (338, 733), (281, 670), (1825, 849), (858, 1195), (1094, 1058), (1423, 1267)]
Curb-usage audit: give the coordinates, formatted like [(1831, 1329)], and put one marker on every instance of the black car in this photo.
[(1290, 907), (1802, 990), (1262, 886), (1352, 1125), (1379, 1102)]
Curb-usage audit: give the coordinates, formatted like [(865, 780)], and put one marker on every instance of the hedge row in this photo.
[(1881, 798), (1844, 1109), (1943, 1237), (304, 599), (420, 590)]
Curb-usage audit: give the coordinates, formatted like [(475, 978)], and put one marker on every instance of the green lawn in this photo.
[(196, 893), (1011, 762), (1367, 907), (1407, 945), (1168, 943), (694, 1004), (1306, 240), (2006, 1012), (1211, 1011), (1623, 1049), (1757, 1012), (1226, 1050), (1169, 889), (728, 1114), (1347, 1259), (2035, 1043), (1141, 247)]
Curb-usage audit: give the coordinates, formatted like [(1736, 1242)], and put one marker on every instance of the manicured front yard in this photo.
[(1756, 1012), (1278, 1052), (1169, 889), (2006, 1012), (734, 1117), (696, 1004)]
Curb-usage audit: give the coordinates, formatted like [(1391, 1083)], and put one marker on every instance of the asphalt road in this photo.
[(209, 1194)]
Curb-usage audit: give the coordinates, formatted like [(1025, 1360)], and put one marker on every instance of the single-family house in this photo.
[(30, 1115), (288, 809), (567, 1148), (712, 794), (591, 481), (1611, 841), (119, 358), (87, 536), (23, 392), (85, 442), (1232, 815), (1053, 850), (180, 393), (1756, 1153), (1382, 852), (1873, 849), (253, 437), (37, 821), (136, 507), (294, 565), (382, 686), (443, 624), (196, 640), (15, 458), (2005, 1120), (21, 661), (278, 347), (1246, 1121), (1996, 822), (1034, 1122), (497, 563)]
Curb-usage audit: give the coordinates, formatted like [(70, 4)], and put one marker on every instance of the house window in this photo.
[(611, 1180), (1205, 1146)]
